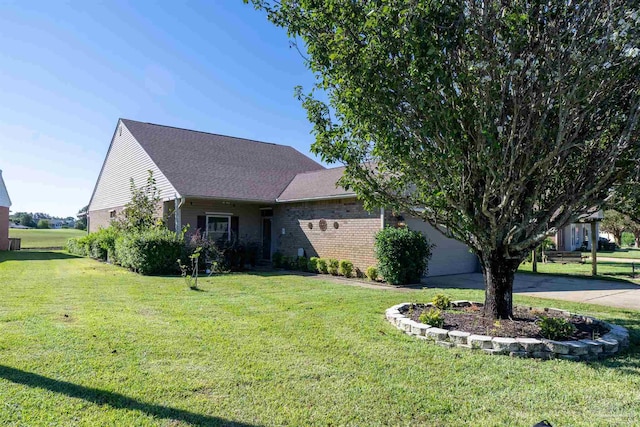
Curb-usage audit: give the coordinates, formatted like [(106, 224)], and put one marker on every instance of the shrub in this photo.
[(441, 301), (345, 268), (323, 266), (277, 259), (149, 252), (333, 266), (312, 265), (43, 224), (555, 328), (76, 247), (103, 244), (302, 263), (372, 273), (209, 254), (432, 317), (403, 255)]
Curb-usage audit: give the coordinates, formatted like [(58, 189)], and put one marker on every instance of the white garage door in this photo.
[(449, 255)]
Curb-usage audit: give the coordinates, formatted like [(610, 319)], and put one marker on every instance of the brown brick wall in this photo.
[(353, 240), (4, 228), (101, 218)]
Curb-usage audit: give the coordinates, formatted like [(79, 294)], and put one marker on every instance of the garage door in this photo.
[(449, 255)]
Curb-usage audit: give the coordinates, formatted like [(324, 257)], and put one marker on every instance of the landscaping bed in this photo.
[(524, 322), (516, 337)]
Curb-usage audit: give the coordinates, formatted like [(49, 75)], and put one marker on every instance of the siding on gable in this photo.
[(126, 159)]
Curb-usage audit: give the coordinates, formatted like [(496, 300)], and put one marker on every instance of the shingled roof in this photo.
[(322, 184), (200, 164)]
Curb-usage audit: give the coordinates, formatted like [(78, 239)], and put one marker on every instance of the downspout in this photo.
[(381, 218), (177, 214)]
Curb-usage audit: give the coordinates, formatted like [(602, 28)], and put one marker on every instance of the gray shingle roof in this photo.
[(200, 164), (320, 184)]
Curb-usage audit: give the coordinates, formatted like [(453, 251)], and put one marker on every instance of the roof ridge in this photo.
[(208, 133), (320, 170)]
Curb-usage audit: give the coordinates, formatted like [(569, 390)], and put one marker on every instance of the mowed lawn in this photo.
[(86, 343), (630, 253), (608, 270), (34, 238)]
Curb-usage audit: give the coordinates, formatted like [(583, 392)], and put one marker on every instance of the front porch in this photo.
[(223, 220)]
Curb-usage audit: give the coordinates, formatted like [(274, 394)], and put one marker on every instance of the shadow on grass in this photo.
[(115, 400), (29, 255)]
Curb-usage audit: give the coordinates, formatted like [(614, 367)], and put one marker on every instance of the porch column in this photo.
[(594, 249), (177, 215)]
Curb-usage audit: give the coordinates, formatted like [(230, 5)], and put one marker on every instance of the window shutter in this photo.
[(235, 228), (202, 224)]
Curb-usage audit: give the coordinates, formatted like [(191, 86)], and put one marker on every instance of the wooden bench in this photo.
[(564, 257)]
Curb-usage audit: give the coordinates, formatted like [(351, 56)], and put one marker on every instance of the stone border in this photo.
[(609, 344)]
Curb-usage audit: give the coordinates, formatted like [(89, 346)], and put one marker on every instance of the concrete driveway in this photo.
[(602, 292)]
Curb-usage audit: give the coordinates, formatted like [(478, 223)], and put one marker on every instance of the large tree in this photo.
[(501, 121)]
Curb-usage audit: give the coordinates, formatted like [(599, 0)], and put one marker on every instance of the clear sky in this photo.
[(69, 70)]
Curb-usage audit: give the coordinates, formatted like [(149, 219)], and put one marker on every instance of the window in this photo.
[(218, 228), (112, 214)]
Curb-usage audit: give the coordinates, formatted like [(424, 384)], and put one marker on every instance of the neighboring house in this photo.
[(577, 234), (56, 223), (260, 192), (5, 204)]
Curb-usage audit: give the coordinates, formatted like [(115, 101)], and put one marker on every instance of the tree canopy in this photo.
[(501, 121)]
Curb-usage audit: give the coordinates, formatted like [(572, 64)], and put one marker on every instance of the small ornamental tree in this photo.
[(140, 214), (501, 121)]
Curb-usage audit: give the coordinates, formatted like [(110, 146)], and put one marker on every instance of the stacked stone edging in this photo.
[(609, 344)]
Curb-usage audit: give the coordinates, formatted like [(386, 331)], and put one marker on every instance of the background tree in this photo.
[(43, 224), (614, 223), (634, 228), (26, 219), (81, 222), (502, 121)]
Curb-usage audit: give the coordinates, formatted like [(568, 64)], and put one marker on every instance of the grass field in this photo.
[(87, 343), (630, 253), (34, 238), (607, 270)]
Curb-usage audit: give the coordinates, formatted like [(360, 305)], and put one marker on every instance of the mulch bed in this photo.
[(522, 325)]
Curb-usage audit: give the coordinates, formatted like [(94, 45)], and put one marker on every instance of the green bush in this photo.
[(345, 268), (555, 328), (432, 317), (323, 267), (372, 273), (75, 246), (43, 224), (441, 301), (149, 252), (312, 265), (302, 263), (276, 259), (333, 266), (628, 239), (403, 255), (103, 244)]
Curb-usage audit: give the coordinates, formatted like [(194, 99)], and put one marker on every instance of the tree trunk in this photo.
[(617, 237), (498, 272)]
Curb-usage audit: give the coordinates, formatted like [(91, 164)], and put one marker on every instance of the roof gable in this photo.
[(5, 201), (200, 164), (321, 184)]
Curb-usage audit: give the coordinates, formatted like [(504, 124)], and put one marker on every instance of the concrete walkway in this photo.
[(602, 292)]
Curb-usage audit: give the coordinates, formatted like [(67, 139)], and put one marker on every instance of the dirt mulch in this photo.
[(522, 325)]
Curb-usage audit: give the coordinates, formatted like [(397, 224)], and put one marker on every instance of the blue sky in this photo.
[(69, 70)]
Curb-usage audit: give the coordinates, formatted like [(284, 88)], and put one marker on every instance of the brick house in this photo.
[(5, 204), (257, 191)]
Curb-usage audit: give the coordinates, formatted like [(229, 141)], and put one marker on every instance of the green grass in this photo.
[(86, 343), (630, 253), (34, 238), (607, 270)]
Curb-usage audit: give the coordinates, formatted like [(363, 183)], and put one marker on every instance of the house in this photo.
[(5, 204), (260, 192), (577, 235)]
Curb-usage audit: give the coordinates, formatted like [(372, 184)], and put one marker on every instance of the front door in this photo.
[(266, 238)]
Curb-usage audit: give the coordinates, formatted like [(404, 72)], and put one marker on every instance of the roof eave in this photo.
[(318, 198)]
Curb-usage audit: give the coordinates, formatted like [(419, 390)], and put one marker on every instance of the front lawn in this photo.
[(607, 270), (86, 343), (34, 238), (630, 253)]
